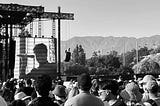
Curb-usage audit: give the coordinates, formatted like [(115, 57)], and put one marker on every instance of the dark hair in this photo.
[(43, 85), (29, 81), (84, 81), (21, 84), (33, 95), (111, 85), (40, 48), (154, 89), (8, 84)]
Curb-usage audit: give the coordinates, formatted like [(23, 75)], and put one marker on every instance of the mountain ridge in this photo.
[(107, 44)]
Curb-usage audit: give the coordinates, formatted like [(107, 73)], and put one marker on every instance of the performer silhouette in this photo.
[(40, 51)]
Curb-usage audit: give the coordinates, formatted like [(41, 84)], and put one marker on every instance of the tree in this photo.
[(94, 54), (75, 55), (114, 53), (76, 69), (125, 72), (130, 57), (104, 64), (78, 56), (143, 51), (150, 67), (82, 55), (155, 50), (155, 67), (111, 61), (92, 62)]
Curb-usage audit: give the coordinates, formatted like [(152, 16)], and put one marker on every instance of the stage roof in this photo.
[(19, 14)]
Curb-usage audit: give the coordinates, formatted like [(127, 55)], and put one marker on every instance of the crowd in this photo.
[(38, 88), (85, 91)]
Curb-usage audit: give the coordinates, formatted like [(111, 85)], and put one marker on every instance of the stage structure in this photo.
[(14, 17)]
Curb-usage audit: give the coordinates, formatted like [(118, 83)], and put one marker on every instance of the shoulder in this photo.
[(151, 102), (45, 101), (71, 101), (120, 103), (106, 103), (147, 104), (2, 101)]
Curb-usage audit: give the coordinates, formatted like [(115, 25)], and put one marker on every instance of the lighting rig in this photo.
[(21, 15)]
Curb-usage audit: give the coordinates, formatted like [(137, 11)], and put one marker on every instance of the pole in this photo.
[(137, 54), (11, 73), (6, 53), (124, 59), (59, 44)]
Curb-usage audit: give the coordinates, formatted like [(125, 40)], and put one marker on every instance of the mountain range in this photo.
[(107, 44)]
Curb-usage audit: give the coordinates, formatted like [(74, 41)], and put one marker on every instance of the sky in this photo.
[(129, 18)]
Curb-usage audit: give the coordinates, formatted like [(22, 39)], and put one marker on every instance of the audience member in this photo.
[(19, 95), (17, 103), (22, 96), (144, 81), (109, 94), (20, 86), (43, 86), (84, 98), (131, 94), (152, 89), (60, 95), (95, 87), (28, 89), (7, 93), (2, 101)]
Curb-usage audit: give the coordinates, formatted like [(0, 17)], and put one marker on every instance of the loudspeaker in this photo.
[(68, 57)]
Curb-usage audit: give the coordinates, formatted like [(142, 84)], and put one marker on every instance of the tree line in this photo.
[(111, 64)]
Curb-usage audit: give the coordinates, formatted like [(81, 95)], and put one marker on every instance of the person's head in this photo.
[(60, 91), (21, 84), (113, 86), (43, 85), (40, 50), (131, 92), (7, 84), (84, 82), (28, 82), (109, 90), (152, 87), (145, 79), (60, 82)]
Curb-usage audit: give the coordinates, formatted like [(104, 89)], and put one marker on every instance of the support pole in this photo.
[(59, 44), (124, 58), (137, 55), (11, 63), (6, 54)]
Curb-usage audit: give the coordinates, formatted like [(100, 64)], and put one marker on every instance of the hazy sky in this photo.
[(131, 18)]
